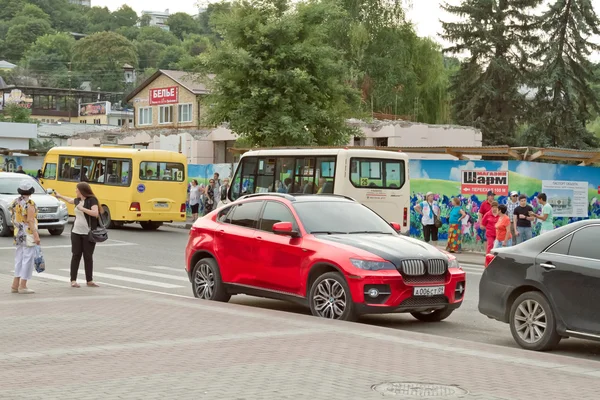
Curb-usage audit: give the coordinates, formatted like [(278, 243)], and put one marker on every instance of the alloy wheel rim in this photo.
[(530, 321), (329, 300), (205, 282)]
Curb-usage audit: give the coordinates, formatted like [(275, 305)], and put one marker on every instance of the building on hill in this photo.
[(85, 3), (158, 18)]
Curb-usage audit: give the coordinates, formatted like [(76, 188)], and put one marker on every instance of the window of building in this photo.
[(82, 121), (381, 142), (145, 116), (163, 171), (165, 114), (97, 121), (185, 112)]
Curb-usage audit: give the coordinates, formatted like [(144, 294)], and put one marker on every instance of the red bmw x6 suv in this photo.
[(326, 252)]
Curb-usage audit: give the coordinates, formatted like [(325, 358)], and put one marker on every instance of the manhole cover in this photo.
[(419, 390)]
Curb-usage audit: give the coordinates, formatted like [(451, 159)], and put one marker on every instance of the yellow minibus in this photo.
[(133, 185)]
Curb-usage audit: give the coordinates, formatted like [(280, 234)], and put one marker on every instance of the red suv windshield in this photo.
[(340, 217)]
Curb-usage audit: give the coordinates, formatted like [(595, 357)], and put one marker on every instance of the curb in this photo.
[(187, 225)]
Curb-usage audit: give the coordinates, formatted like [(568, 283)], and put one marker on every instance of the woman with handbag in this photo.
[(24, 216), (87, 214), (430, 218)]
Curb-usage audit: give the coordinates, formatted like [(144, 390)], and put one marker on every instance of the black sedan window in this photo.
[(340, 217), (585, 243)]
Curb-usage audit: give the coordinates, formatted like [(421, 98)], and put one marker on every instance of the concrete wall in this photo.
[(15, 136)]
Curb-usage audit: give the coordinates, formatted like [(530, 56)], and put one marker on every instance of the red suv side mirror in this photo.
[(284, 228), (396, 226)]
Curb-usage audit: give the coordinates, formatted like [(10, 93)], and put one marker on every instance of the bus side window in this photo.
[(50, 171)]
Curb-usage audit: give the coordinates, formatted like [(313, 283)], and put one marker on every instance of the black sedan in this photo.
[(547, 288)]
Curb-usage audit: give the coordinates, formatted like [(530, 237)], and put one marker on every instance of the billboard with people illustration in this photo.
[(572, 190)]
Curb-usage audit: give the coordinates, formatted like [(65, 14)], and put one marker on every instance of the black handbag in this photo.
[(100, 234)]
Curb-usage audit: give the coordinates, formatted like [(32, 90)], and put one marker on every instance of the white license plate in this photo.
[(42, 217), (161, 205), (428, 291)]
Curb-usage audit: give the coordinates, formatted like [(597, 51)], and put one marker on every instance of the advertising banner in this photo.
[(479, 182), (100, 108), (567, 198), (168, 95)]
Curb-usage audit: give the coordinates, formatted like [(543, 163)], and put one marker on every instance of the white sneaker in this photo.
[(26, 291)]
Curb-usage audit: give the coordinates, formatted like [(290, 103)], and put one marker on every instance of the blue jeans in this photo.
[(524, 234), (498, 244)]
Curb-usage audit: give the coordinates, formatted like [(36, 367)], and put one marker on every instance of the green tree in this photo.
[(498, 35), (170, 57), (10, 8), (149, 53), (196, 44), (158, 35), (31, 11), (124, 17), (49, 57), (565, 99), (100, 58), (278, 81), (206, 19), (130, 32), (99, 19), (182, 24), (16, 113), (145, 20), (21, 36)]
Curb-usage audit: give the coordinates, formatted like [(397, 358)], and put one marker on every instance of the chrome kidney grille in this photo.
[(436, 266), (413, 267)]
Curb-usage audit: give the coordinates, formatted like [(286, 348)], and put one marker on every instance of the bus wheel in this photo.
[(106, 219), (150, 226)]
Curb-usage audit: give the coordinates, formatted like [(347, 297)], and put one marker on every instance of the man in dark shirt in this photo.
[(20, 170), (522, 220)]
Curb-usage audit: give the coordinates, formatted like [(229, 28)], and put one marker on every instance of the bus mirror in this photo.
[(50, 191), (396, 226)]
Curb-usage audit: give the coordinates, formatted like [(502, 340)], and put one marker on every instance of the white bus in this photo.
[(376, 178)]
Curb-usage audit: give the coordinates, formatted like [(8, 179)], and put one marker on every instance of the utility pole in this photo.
[(70, 99)]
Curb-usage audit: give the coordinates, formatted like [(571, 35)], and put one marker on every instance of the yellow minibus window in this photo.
[(50, 171)]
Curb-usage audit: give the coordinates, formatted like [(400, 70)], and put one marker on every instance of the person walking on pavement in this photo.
[(223, 193), (488, 223), (522, 220), (430, 211), (486, 206), (511, 203), (26, 236), (503, 235), (547, 216), (457, 214), (195, 197), (87, 212)]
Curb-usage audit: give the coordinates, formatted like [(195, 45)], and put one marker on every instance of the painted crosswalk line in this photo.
[(130, 279), (150, 273)]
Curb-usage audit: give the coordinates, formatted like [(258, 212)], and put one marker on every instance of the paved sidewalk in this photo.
[(106, 343)]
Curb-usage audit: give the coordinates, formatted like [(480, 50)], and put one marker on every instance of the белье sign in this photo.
[(480, 182), (168, 95)]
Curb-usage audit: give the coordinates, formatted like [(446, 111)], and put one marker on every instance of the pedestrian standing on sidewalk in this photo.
[(209, 197), (457, 214), (223, 193), (26, 236), (511, 204), (522, 220), (87, 212), (486, 206), (195, 196), (503, 235), (488, 223), (547, 217), (430, 211)]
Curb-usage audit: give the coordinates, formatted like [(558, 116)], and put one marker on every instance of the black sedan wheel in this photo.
[(330, 298), (206, 281), (532, 322)]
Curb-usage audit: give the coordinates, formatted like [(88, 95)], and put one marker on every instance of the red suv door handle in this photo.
[(221, 232), (259, 238)]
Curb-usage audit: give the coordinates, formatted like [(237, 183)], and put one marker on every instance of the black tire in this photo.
[(433, 316), (56, 231), (549, 337), (5, 230), (107, 218), (207, 270), (150, 226), (323, 308)]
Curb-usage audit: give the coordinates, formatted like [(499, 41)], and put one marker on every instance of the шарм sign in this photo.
[(168, 95), (480, 182)]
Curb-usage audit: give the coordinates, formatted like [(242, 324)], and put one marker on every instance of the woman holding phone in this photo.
[(87, 212)]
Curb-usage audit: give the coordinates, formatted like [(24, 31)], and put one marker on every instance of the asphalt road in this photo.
[(136, 260)]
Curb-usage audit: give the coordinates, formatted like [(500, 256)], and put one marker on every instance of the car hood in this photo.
[(40, 200), (393, 248)]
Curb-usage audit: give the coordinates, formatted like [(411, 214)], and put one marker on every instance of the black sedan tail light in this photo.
[(489, 258)]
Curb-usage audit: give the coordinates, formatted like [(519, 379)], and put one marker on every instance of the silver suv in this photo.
[(52, 213)]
